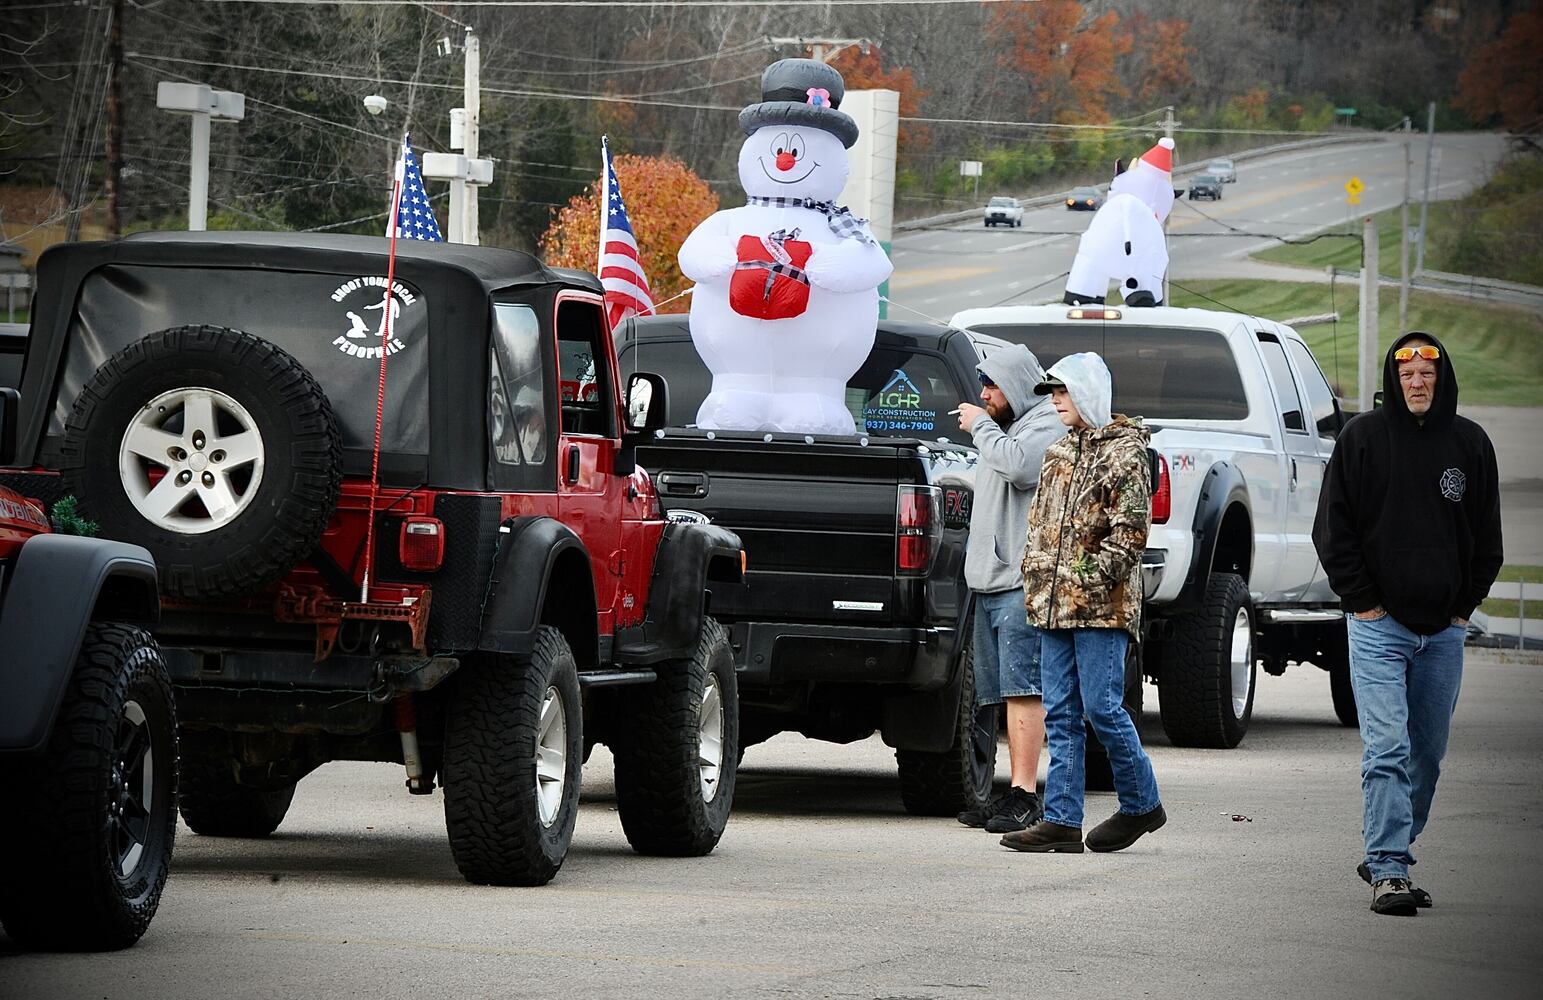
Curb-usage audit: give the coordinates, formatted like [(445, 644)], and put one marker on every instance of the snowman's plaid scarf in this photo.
[(841, 220)]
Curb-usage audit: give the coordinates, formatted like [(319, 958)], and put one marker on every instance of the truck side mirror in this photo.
[(647, 409), (648, 402), (10, 400)]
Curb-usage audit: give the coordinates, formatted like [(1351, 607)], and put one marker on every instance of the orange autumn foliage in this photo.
[(1068, 60), (665, 202), (1501, 79), (864, 70)]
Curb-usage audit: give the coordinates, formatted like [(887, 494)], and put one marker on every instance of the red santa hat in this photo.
[(1160, 156)]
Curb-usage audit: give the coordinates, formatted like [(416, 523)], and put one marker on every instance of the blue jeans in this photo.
[(1405, 692), (1084, 672), (1006, 649)]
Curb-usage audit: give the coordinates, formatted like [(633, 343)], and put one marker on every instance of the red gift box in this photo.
[(769, 282)]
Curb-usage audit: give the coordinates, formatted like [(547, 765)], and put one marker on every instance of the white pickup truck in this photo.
[(1003, 211), (1243, 422)]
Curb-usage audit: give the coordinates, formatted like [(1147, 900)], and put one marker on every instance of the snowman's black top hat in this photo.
[(801, 93)]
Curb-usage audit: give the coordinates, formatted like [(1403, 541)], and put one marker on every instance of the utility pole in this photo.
[(465, 172), (822, 49), (1168, 124), (473, 113), (1366, 369), (1430, 148), (114, 118), (1403, 241)]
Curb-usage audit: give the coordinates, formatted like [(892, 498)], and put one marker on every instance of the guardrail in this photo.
[(1498, 629)]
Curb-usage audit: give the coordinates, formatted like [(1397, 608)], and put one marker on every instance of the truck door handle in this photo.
[(573, 463), (683, 484), (1293, 474)]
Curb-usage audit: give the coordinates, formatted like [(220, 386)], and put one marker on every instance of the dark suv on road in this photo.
[(1205, 186), (506, 596)]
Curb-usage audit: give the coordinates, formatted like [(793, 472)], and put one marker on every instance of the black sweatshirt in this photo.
[(1409, 516)]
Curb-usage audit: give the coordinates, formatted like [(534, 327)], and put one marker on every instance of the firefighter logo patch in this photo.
[(1453, 484)]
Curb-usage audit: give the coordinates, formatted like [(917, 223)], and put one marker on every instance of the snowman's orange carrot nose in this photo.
[(785, 160)]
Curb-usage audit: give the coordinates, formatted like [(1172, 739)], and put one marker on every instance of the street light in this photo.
[(204, 104)]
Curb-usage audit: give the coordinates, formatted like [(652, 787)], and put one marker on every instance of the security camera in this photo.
[(375, 104)]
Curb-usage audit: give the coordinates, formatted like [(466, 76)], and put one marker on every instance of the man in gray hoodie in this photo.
[(1011, 432)]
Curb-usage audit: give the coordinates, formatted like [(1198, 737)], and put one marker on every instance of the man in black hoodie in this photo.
[(1408, 530)]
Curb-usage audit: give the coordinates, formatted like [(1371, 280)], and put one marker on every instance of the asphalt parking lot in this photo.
[(823, 887)]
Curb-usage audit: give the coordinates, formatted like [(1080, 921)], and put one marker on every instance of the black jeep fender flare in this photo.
[(1222, 488), (59, 584), (690, 557), (541, 576)]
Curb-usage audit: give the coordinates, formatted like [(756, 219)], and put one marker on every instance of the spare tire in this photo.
[(212, 448)]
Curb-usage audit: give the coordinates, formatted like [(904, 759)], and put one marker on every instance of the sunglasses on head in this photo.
[(1425, 352), (985, 380)]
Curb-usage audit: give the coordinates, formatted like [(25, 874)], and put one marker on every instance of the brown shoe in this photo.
[(1045, 838), (1122, 830)]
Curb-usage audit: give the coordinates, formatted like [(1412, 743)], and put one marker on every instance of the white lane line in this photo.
[(928, 302), (977, 292), (1014, 284)]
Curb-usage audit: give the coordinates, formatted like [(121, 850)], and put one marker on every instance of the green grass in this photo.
[(1342, 247), (1497, 350), (1514, 573), (1493, 233)]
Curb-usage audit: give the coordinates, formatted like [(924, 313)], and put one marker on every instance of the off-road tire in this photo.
[(492, 809), (1195, 689), (302, 455), (77, 810), (951, 781), (215, 805), (1098, 775), (659, 752)]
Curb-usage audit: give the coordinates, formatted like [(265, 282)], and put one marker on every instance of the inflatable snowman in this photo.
[(786, 300), (1125, 240)]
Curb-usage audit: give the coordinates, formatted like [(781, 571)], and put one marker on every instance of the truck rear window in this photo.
[(895, 394), (1160, 373)]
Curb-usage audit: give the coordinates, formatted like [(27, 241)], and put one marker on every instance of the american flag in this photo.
[(416, 215), (621, 270)]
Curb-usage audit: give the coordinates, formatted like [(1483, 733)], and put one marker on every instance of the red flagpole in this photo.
[(380, 394)]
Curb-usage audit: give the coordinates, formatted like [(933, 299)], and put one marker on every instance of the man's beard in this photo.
[(1004, 416)]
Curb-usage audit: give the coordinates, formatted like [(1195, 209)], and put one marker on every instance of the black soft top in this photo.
[(94, 298)]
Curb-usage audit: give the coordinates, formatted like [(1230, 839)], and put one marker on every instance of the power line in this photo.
[(615, 3)]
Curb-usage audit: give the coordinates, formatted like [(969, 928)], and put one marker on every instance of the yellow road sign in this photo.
[(1353, 188)]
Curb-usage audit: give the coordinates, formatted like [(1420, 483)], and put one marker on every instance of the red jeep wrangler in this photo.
[(88, 741), (212, 397)]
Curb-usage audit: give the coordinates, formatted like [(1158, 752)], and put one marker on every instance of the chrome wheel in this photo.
[(1242, 661), (191, 460), (132, 790), (710, 743), (551, 756)]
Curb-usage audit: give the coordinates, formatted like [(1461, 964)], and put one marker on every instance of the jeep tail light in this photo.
[(1162, 493), (422, 545), (919, 528)]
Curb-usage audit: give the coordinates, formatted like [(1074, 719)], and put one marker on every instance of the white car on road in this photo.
[(1004, 211), (1223, 169)]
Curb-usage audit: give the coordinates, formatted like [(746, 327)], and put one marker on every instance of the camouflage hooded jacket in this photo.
[(1088, 528)]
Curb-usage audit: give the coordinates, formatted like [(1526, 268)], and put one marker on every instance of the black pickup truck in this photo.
[(853, 616)]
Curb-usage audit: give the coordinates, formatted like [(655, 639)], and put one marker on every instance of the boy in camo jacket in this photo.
[(1082, 588)]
